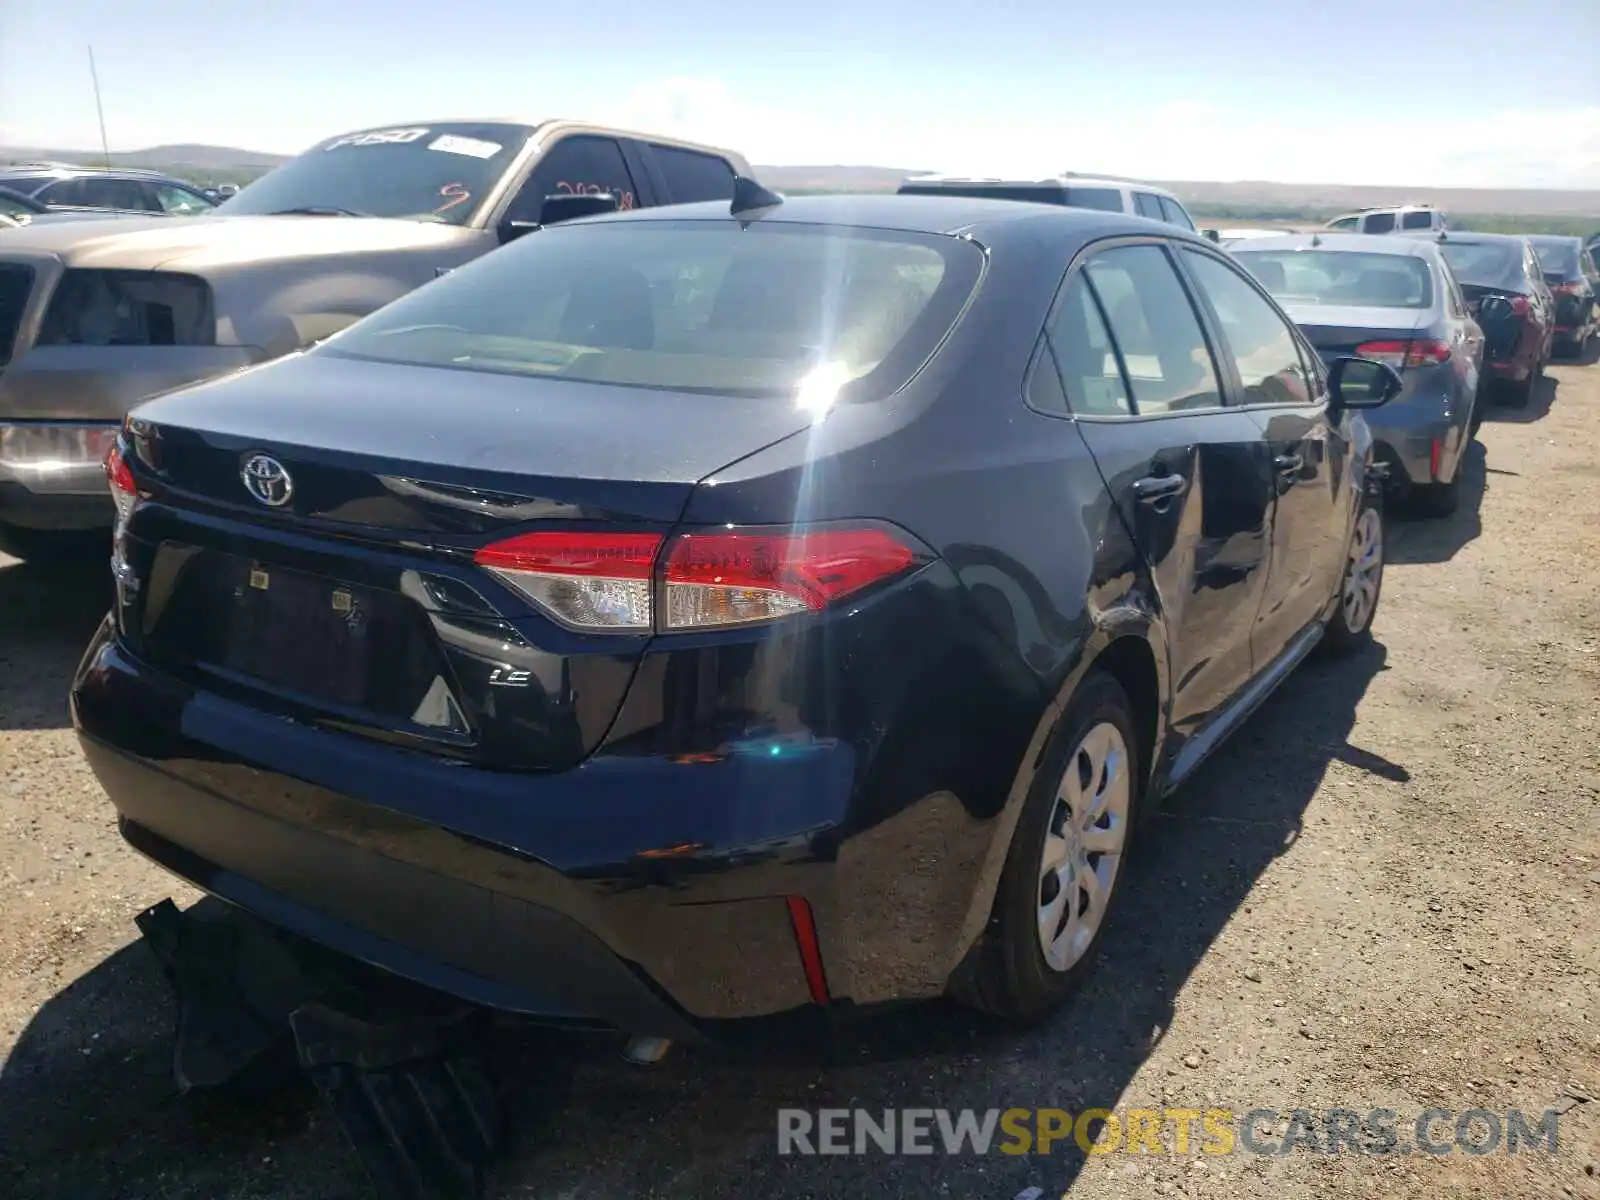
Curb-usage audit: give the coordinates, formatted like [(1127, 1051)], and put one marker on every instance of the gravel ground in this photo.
[(1384, 892)]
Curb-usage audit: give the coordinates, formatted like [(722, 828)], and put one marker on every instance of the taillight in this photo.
[(1519, 306), (1418, 352), (586, 580), (723, 578), (123, 489), (705, 580), (1572, 287)]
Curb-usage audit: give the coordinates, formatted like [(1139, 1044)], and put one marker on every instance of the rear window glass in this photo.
[(1487, 264), (1416, 220), (1104, 199), (1340, 277), (1378, 223), (1557, 258), (693, 176), (688, 306)]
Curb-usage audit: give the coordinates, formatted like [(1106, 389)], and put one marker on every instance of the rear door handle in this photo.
[(1288, 464), (1158, 487)]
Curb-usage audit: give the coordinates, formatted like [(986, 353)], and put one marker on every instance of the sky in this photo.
[(1469, 93)]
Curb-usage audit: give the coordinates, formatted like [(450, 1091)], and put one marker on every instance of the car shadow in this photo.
[(1418, 539), (47, 615), (704, 1123), (1544, 395), (1586, 356)]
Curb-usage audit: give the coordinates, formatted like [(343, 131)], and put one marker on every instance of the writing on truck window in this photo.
[(625, 199), (456, 194), (377, 137)]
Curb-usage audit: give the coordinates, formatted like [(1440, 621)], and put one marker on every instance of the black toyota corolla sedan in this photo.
[(688, 615)]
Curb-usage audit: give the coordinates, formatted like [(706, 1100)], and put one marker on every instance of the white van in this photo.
[(1401, 218), (1074, 191)]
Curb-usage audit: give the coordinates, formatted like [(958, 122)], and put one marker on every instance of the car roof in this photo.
[(1553, 239), (1365, 243), (949, 215), (1469, 238), (1042, 181), (551, 125), (70, 170)]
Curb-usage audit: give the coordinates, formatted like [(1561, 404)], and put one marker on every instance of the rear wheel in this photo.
[(1350, 627), (1437, 499), (1062, 871)]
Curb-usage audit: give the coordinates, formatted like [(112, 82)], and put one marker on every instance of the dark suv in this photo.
[(694, 613), (65, 186)]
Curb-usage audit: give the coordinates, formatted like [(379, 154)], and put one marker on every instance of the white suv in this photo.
[(1406, 218), (1074, 191)]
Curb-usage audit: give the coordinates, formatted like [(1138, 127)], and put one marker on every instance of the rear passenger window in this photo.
[(1173, 211), (1148, 205), (1154, 326), (1103, 199), (1263, 345), (692, 176), (1416, 220), (1378, 223), (1090, 375)]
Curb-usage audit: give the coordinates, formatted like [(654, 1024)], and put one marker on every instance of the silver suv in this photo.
[(98, 315)]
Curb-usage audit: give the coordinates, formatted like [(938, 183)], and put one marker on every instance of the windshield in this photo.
[(1341, 277), (417, 172), (688, 306), (1485, 264), (1557, 256)]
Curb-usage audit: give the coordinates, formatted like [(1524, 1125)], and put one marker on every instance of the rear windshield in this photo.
[(420, 172), (690, 306), (1485, 264), (1557, 257), (1340, 277)]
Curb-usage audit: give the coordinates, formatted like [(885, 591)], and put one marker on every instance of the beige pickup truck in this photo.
[(96, 316)]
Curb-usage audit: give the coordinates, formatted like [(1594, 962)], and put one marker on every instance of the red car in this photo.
[(1505, 289)]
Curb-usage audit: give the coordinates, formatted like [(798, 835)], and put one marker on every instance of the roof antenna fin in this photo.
[(750, 199), (1316, 240)]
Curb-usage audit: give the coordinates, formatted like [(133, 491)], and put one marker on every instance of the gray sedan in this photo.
[(1395, 300)]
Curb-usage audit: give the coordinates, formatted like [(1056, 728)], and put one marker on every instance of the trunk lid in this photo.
[(355, 602), (1335, 330)]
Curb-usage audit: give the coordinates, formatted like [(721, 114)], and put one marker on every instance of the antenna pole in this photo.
[(105, 147)]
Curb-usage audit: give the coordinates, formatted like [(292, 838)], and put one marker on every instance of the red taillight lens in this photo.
[(1519, 306), (736, 578), (1418, 352), (585, 580), (123, 489), (609, 581)]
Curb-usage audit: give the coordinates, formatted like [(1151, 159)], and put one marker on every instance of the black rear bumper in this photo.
[(437, 930)]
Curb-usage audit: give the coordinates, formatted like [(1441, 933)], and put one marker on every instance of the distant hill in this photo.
[(1235, 199), (155, 158)]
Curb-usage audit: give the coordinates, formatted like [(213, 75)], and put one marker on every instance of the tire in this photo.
[(1014, 978), (1437, 499), (1349, 629)]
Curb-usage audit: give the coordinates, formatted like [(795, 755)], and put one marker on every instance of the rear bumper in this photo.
[(640, 891), (55, 511), (1408, 448)]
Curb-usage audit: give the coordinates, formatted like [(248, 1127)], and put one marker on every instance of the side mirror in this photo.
[(1362, 382), (509, 230), (566, 207)]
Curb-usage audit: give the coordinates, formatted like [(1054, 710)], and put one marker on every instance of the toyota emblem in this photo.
[(266, 479)]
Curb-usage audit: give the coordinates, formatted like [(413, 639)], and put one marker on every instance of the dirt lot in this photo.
[(1385, 892)]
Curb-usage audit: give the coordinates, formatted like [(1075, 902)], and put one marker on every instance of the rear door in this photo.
[(1188, 474), (685, 176), (1283, 390)]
